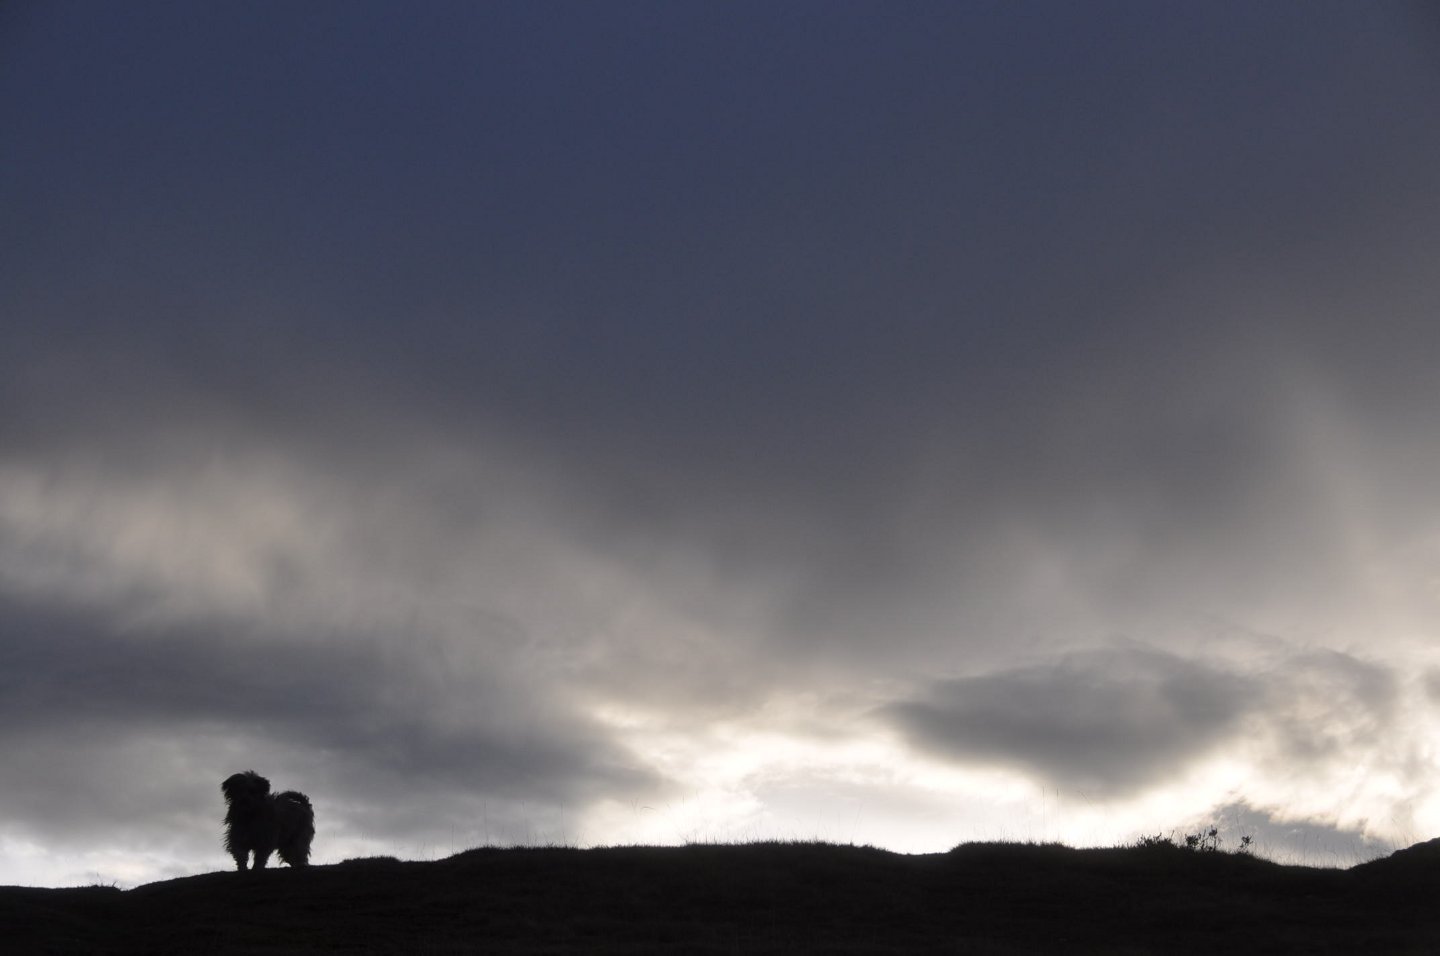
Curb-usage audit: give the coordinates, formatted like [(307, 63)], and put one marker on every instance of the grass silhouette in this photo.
[(768, 897)]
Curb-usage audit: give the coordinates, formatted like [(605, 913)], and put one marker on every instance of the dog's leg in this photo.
[(241, 859)]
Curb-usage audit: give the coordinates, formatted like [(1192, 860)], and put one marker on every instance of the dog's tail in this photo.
[(296, 820)]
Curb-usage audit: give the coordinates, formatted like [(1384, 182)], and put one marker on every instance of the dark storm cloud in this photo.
[(662, 223), (1112, 722), (827, 271), (1107, 722)]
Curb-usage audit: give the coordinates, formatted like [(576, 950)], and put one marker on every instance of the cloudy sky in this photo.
[(648, 422)]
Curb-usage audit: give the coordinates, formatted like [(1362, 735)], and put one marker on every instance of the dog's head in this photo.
[(245, 787)]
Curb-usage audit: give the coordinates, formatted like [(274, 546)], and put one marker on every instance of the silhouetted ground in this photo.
[(757, 898)]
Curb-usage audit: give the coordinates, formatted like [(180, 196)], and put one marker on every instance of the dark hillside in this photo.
[(756, 898)]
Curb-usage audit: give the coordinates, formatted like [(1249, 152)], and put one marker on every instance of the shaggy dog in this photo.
[(261, 822)]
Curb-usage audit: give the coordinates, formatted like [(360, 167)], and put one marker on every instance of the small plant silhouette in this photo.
[(1206, 841)]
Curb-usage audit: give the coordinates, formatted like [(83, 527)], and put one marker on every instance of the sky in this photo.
[(611, 423)]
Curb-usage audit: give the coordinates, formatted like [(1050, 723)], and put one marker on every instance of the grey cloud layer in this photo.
[(386, 715)]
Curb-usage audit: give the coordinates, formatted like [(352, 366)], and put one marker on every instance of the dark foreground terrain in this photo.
[(757, 898)]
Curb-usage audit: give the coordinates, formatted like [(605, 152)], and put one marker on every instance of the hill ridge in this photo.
[(756, 898)]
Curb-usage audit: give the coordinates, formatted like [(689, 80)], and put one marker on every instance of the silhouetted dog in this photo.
[(261, 822)]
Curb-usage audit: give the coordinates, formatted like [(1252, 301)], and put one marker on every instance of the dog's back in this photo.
[(295, 820)]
